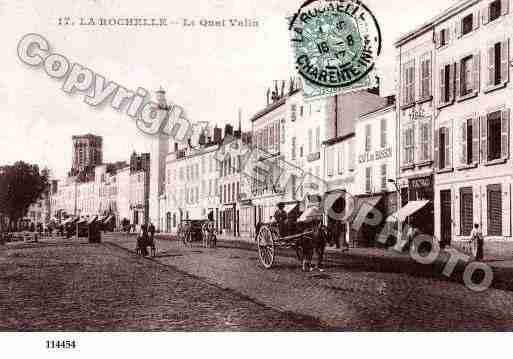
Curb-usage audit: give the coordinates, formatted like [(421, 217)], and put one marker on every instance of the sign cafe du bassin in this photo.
[(376, 155)]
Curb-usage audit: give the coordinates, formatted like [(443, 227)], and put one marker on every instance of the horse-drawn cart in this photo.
[(305, 235)]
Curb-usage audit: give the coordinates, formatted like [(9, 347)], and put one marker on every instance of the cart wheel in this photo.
[(266, 249)]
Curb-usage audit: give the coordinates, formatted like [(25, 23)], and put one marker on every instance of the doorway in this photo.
[(445, 218)]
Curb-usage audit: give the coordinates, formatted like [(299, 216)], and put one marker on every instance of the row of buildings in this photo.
[(435, 153)]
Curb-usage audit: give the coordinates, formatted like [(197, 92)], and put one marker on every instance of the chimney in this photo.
[(201, 139), (218, 135), (161, 98), (228, 130)]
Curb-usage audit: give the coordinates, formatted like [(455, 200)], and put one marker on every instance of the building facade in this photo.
[(471, 102)]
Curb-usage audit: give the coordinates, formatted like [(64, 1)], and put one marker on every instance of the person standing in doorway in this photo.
[(477, 242)]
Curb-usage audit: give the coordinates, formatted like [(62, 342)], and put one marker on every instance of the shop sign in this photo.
[(375, 156)]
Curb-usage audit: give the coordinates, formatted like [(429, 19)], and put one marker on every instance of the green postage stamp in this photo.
[(335, 44)]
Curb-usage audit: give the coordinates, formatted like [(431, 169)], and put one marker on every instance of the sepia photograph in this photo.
[(313, 169)]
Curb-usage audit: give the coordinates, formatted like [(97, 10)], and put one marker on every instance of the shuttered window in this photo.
[(494, 206), (409, 82), (425, 76), (383, 127), (368, 179), (466, 211), (498, 64)]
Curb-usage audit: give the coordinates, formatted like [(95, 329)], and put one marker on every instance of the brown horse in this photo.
[(314, 242)]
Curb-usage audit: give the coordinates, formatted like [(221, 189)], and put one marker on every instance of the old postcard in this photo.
[(255, 166)]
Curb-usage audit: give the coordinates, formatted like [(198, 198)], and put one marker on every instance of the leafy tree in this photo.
[(20, 185)]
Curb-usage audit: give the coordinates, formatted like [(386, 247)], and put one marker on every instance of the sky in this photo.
[(210, 72)]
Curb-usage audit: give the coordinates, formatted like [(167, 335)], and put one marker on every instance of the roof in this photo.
[(454, 9), (268, 109), (338, 139), (382, 108)]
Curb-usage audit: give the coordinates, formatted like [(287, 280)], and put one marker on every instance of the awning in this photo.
[(410, 208), (92, 219), (368, 202), (68, 220), (290, 207), (310, 214), (108, 219), (101, 218), (83, 220)]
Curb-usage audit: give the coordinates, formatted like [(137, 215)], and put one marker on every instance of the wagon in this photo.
[(294, 235), (190, 230)]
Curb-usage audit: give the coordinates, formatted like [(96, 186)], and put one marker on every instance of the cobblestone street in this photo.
[(353, 293), (72, 285), (75, 286)]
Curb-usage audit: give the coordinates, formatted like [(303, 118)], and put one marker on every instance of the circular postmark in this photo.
[(335, 42)]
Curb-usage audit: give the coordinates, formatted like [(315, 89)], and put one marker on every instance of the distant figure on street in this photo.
[(411, 233), (280, 216), (142, 239), (477, 241)]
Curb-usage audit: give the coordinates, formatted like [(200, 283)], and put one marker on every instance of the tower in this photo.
[(87, 152), (159, 151)]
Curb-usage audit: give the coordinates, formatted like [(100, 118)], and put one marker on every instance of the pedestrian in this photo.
[(477, 242), (151, 230), (411, 233), (143, 239)]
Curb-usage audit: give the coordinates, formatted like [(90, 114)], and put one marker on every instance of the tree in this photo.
[(20, 185)]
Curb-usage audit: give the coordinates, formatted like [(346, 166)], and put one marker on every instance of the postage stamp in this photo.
[(335, 44)]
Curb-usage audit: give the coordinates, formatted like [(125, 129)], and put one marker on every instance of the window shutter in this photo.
[(412, 98), (452, 70), (491, 66), (505, 133), (351, 156), (485, 13), (484, 139), (457, 79), (442, 86), (458, 28), (475, 72), (436, 156), (475, 20), (463, 144), (506, 210), (429, 141), (504, 7), (437, 39), (505, 61), (457, 208), (448, 147), (484, 209), (448, 35), (475, 140)]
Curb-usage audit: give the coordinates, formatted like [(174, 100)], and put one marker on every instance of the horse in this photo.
[(314, 242)]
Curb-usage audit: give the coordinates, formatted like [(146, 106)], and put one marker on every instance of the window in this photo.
[(384, 176), (340, 160), (425, 76), (383, 127), (494, 135), (465, 76), (467, 24), (494, 10), (293, 152), (494, 206), (425, 141), (293, 108), (368, 179), (310, 139), (409, 144), (447, 84), (466, 211), (367, 137), (329, 160), (301, 151), (498, 60), (443, 148), (444, 37), (317, 139), (409, 83), (301, 111)]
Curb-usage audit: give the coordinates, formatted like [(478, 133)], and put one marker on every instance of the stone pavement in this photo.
[(60, 285), (354, 293)]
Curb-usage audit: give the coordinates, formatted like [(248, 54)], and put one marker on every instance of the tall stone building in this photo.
[(87, 152)]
